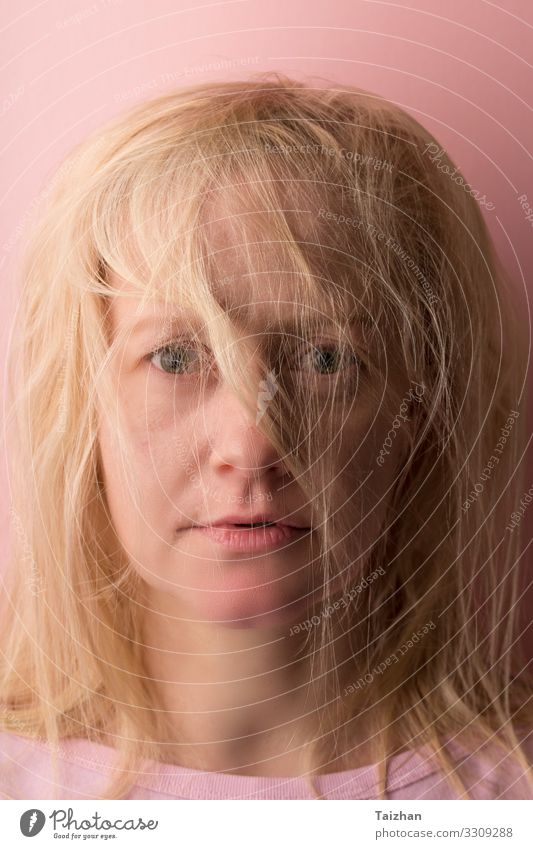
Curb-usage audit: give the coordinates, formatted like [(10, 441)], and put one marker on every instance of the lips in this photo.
[(248, 526), (259, 520), (252, 539)]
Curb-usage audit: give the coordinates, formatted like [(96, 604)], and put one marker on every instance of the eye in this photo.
[(179, 358), (328, 358)]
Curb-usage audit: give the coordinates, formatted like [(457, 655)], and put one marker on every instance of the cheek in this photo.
[(117, 492), (161, 461), (147, 461), (154, 429), (361, 483), (377, 445)]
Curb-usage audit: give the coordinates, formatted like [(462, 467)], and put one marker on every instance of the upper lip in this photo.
[(258, 517)]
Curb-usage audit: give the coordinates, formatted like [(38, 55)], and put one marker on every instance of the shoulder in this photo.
[(493, 772), (27, 769), (13, 745), (19, 761)]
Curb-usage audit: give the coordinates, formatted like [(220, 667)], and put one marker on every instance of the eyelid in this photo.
[(174, 341), (297, 349), (184, 342), (344, 348)]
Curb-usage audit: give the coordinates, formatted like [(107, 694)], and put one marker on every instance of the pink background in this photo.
[(463, 68)]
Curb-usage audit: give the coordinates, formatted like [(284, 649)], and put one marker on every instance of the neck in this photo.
[(239, 700)]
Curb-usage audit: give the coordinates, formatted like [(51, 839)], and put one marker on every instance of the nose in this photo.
[(238, 448)]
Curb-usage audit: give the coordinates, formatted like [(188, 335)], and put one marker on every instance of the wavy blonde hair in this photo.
[(335, 171)]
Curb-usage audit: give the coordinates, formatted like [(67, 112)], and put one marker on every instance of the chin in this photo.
[(247, 613)]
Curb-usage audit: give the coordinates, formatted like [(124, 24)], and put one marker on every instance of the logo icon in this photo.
[(267, 390), (32, 822)]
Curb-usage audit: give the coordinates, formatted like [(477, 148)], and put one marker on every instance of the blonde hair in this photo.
[(331, 174)]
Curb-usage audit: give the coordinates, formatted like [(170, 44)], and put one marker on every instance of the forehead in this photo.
[(273, 308), (247, 255), (259, 270)]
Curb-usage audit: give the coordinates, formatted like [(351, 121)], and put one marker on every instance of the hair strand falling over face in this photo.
[(386, 249)]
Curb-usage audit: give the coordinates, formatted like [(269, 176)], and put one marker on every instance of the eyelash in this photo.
[(171, 346), (185, 344)]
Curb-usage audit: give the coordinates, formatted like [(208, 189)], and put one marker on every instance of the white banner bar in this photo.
[(264, 824)]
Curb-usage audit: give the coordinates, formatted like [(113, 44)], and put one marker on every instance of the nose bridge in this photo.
[(236, 439)]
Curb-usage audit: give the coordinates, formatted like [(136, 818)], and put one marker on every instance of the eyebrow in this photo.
[(149, 322), (290, 324)]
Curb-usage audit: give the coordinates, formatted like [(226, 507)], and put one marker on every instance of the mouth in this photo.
[(256, 519), (252, 525), (253, 536)]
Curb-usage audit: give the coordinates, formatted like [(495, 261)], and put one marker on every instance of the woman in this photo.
[(259, 303)]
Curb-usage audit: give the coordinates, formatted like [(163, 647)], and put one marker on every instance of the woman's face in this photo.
[(198, 460)]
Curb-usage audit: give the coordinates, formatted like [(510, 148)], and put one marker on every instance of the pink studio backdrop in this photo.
[(464, 69)]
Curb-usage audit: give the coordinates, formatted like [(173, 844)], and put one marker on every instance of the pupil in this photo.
[(327, 360), (173, 359)]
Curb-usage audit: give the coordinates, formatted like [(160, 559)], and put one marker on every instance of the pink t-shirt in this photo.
[(85, 768)]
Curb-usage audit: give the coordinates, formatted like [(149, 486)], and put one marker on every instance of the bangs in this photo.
[(190, 223), (205, 200), (208, 214)]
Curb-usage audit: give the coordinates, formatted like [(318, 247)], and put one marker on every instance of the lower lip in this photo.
[(252, 539)]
